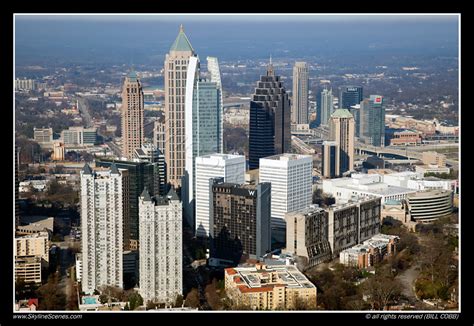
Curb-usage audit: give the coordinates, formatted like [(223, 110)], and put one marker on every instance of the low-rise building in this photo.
[(36, 244), (28, 269), (263, 287), (427, 206)]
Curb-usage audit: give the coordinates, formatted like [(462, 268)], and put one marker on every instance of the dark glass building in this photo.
[(239, 220), (372, 121), (350, 96), (270, 119)]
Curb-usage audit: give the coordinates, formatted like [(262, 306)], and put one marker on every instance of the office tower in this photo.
[(325, 106), (159, 134), (17, 183), (355, 111), (79, 136), (372, 121), (291, 178), (350, 96), (138, 176), (239, 220), (342, 132), (149, 153), (230, 167), (215, 77), (269, 127), (101, 200), (299, 108), (176, 66), (330, 159), (132, 115), (203, 127), (161, 247)]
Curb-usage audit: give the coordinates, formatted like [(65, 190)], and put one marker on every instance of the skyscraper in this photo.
[(372, 121), (101, 200), (330, 159), (176, 65), (203, 127), (350, 96), (230, 167), (291, 177), (159, 134), (342, 132), (215, 77), (161, 247), (17, 183), (325, 107), (132, 115), (299, 108), (269, 128), (239, 220)]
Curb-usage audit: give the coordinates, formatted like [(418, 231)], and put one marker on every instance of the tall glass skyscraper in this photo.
[(350, 96), (372, 121), (270, 115), (325, 107), (203, 116)]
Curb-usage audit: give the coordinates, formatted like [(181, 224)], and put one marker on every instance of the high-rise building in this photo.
[(139, 175), (341, 128), (291, 181), (372, 121), (270, 125), (299, 108), (149, 153), (79, 136), (17, 183), (230, 167), (215, 77), (203, 127), (320, 234), (325, 106), (101, 200), (176, 66), (159, 134), (350, 96), (132, 115), (239, 220), (355, 111), (330, 159), (161, 247)]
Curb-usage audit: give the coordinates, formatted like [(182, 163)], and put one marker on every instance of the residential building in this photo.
[(320, 234), (325, 106), (36, 244), (269, 127), (263, 287), (330, 159), (230, 167), (161, 247), (239, 220), (300, 105), (176, 66), (101, 199), (341, 128), (291, 179), (25, 84), (28, 269), (132, 115), (372, 121), (203, 116)]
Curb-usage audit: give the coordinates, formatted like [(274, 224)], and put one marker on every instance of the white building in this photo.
[(36, 244), (79, 267), (102, 228), (291, 179), (364, 185), (416, 181), (230, 167), (161, 247)]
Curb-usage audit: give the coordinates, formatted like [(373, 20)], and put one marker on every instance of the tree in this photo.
[(179, 301), (192, 299), (382, 290), (135, 300), (50, 295), (212, 297)]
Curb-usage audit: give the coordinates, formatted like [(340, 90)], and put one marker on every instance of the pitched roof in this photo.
[(172, 194), (181, 43), (342, 113), (86, 169), (146, 195)]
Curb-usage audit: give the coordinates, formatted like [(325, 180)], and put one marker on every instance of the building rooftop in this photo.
[(342, 113), (181, 43), (286, 157)]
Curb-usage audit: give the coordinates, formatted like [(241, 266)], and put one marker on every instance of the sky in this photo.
[(147, 38)]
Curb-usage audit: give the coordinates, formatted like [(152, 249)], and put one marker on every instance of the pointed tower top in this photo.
[(172, 195), (270, 71), (182, 43)]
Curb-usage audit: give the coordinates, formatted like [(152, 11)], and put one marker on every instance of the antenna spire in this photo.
[(181, 28)]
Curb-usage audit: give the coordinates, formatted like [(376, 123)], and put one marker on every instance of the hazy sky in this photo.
[(144, 38)]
